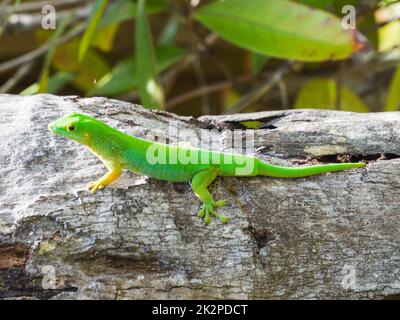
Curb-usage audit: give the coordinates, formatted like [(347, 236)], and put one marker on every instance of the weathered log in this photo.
[(329, 236)]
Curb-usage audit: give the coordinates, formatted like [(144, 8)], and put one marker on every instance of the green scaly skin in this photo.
[(119, 151)]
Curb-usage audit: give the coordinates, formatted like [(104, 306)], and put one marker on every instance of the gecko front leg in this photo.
[(114, 172)]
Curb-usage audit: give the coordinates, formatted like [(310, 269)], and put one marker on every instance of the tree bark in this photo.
[(333, 236)]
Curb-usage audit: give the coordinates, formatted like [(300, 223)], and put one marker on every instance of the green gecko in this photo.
[(118, 151)]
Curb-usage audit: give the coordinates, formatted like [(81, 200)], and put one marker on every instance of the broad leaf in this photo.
[(97, 11), (393, 100), (321, 94), (92, 68), (55, 83), (389, 36), (45, 72), (280, 28), (123, 78), (320, 4), (151, 92), (123, 10), (104, 37)]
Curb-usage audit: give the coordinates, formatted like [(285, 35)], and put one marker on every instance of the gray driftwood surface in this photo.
[(331, 236)]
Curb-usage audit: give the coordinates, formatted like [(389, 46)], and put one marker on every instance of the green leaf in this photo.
[(252, 124), (368, 26), (321, 94), (97, 11), (339, 4), (44, 74), (104, 37), (32, 89), (6, 14), (123, 10), (59, 80), (320, 4), (168, 55), (151, 92), (92, 67), (123, 78), (55, 84), (389, 36), (393, 100), (280, 28), (170, 31)]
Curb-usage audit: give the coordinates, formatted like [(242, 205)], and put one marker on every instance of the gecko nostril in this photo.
[(50, 127)]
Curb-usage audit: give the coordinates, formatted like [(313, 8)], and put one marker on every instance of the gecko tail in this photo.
[(265, 169)]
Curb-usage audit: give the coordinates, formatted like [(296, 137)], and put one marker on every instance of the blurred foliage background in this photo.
[(196, 57)]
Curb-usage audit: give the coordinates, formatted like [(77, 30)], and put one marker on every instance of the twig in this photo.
[(19, 74), (5, 14), (197, 48), (27, 21), (38, 5), (339, 85), (11, 64), (223, 85), (3, 6), (211, 39), (283, 94), (205, 103), (222, 66), (170, 77), (260, 90)]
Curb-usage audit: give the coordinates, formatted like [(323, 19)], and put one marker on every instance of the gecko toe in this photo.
[(201, 213), (223, 219), (220, 203), (94, 186), (207, 218)]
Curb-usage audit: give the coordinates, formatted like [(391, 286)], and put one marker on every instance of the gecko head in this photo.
[(75, 126)]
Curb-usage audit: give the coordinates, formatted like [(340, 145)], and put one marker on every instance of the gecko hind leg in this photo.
[(199, 183)]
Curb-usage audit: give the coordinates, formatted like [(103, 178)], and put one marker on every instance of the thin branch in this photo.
[(219, 86), (283, 94), (222, 66), (3, 6), (260, 90), (197, 48), (170, 77), (13, 63), (5, 14), (211, 39), (205, 103), (38, 5), (26, 21), (339, 85), (19, 74)]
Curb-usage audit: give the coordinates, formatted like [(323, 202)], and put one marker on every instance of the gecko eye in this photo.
[(71, 127)]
